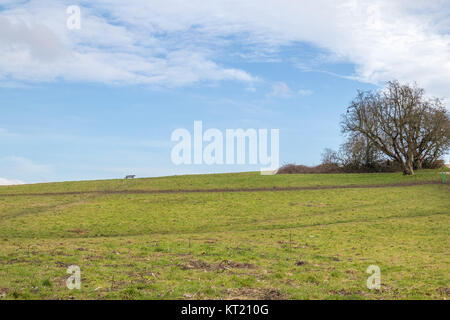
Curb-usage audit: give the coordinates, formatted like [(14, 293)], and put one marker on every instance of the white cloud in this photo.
[(20, 166), (35, 45), (8, 182), (177, 42), (305, 92), (280, 89), (15, 170)]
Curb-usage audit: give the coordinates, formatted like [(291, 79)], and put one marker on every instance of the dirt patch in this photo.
[(79, 232), (226, 264), (255, 294), (288, 244), (3, 292), (300, 263), (196, 264), (445, 291), (344, 292), (223, 265), (15, 260), (61, 264), (317, 205)]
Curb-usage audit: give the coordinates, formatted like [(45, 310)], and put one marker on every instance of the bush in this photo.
[(382, 166), (427, 164), (322, 168)]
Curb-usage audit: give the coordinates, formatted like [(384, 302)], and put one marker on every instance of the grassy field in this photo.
[(225, 181), (272, 244)]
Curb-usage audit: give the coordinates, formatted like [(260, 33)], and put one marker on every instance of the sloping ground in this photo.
[(225, 190), (247, 180), (294, 244)]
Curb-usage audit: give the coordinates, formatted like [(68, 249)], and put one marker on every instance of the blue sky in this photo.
[(101, 102)]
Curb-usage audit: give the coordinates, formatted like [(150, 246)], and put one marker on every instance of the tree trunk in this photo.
[(418, 164), (408, 167)]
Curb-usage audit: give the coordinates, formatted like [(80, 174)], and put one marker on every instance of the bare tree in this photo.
[(358, 152), (330, 157), (401, 123), (433, 137)]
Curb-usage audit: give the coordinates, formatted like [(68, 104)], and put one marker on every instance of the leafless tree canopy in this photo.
[(401, 123)]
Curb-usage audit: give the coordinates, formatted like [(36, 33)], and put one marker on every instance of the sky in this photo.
[(101, 101)]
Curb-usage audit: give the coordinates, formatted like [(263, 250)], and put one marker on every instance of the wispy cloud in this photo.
[(305, 92), (7, 134), (18, 166), (280, 89), (8, 182), (176, 43), (36, 46)]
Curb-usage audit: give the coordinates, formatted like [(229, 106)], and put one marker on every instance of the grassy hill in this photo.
[(224, 181), (210, 236)]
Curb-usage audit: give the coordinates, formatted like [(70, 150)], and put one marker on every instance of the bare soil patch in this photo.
[(255, 294), (223, 265)]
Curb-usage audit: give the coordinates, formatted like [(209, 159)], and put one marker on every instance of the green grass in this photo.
[(225, 181), (308, 244)]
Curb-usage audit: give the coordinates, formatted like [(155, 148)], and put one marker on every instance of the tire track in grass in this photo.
[(46, 208), (224, 190), (256, 229)]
